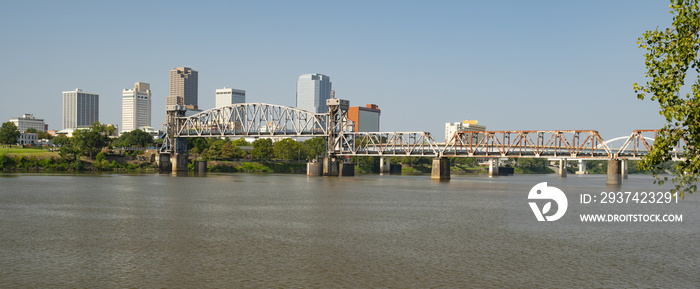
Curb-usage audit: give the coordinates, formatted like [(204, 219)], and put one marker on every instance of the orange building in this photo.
[(366, 118)]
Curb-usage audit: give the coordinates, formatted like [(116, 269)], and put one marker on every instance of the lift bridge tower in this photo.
[(337, 123), (173, 153)]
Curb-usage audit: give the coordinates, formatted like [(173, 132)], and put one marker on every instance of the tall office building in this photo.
[(183, 87), (227, 96), (312, 92), (136, 107), (80, 109)]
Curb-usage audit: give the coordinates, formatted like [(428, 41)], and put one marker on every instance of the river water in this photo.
[(291, 231)]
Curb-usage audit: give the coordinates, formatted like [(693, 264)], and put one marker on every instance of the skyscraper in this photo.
[(226, 96), (136, 107), (80, 109), (312, 92), (183, 87)]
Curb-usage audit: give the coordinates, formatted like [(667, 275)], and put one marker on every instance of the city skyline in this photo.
[(511, 65)]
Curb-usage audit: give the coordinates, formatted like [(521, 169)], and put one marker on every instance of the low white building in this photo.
[(26, 138)]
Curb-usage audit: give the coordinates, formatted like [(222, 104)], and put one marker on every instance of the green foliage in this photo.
[(91, 141), (465, 161), (69, 152), (60, 140), (240, 142), (314, 148), (262, 149), (671, 52), (199, 143), (6, 162), (100, 156), (286, 149), (9, 133), (532, 166), (255, 168), (366, 164), (134, 138)]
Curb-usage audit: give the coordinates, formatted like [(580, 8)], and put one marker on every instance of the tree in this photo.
[(314, 148), (91, 141), (670, 54), (60, 140), (286, 149), (135, 138), (227, 151), (9, 133), (262, 149), (240, 142), (68, 151)]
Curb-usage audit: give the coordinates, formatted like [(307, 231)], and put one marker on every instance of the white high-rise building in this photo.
[(136, 107), (312, 92), (28, 121), (227, 96), (80, 109)]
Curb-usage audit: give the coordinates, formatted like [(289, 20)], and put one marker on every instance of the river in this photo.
[(292, 231)]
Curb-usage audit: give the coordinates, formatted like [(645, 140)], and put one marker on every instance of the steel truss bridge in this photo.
[(268, 120)]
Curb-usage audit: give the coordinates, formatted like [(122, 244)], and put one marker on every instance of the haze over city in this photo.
[(510, 65)]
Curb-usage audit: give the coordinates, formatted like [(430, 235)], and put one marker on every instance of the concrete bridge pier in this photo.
[(179, 162), (441, 169), (581, 167), (200, 167), (384, 165), (562, 168), (314, 169), (493, 167), (614, 172), (347, 169), (330, 167), (164, 164), (624, 168)]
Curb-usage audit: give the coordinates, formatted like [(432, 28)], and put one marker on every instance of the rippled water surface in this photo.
[(239, 230)]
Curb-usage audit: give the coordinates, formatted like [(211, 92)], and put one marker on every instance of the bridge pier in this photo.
[(581, 167), (330, 167), (200, 167), (562, 168), (441, 169), (395, 169), (164, 164), (347, 169), (314, 169), (493, 167), (624, 168), (384, 165), (614, 171), (179, 162)]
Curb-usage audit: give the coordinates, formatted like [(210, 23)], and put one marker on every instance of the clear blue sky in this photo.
[(512, 65)]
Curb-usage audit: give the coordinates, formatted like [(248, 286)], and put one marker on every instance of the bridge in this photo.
[(269, 120)]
